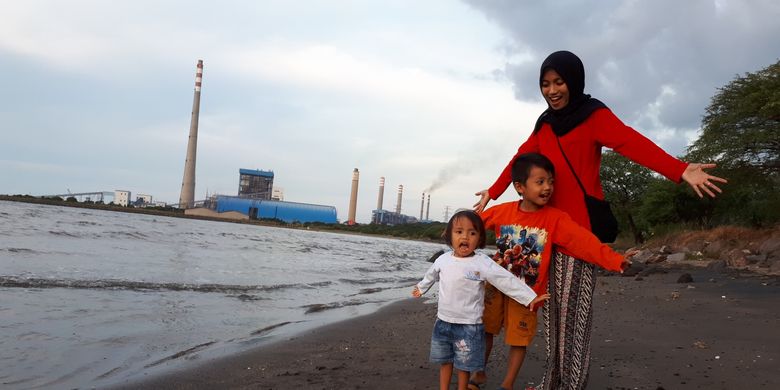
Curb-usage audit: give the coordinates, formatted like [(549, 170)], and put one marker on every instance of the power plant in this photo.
[(386, 217), (255, 190), (255, 187), (187, 197)]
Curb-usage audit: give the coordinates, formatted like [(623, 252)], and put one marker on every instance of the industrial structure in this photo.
[(428, 208), (400, 198), (381, 193), (255, 187), (255, 184), (386, 217), (187, 197), (255, 200), (277, 193), (353, 197), (122, 197), (272, 209)]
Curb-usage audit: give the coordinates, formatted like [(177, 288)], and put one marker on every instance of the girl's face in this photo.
[(554, 90), (536, 190), (465, 237)]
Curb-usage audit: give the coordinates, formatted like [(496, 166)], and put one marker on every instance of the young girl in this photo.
[(458, 335)]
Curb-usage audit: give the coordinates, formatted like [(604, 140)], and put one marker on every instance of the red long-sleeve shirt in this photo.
[(526, 239), (583, 148)]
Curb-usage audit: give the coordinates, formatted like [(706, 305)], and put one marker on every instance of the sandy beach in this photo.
[(719, 331)]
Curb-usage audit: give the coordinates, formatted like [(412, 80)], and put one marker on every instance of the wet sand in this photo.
[(718, 332)]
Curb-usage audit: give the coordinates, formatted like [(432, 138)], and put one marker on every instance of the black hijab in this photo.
[(580, 106)]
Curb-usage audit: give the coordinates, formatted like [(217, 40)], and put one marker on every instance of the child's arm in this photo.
[(586, 246), (537, 300), (416, 292), (508, 283), (428, 280)]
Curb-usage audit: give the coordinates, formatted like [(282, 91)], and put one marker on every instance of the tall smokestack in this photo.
[(422, 206), (400, 195), (187, 197), (428, 208), (381, 193), (353, 197)]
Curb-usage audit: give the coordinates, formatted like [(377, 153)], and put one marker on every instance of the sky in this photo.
[(434, 95)]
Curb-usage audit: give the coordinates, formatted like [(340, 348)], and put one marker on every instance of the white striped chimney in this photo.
[(422, 206), (428, 208), (187, 197), (353, 197), (400, 196), (381, 193)]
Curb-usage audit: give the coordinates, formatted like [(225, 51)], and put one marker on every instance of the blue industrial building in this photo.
[(274, 209)]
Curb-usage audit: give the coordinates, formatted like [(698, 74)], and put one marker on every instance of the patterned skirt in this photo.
[(567, 322)]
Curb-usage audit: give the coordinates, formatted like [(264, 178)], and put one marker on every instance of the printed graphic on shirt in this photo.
[(520, 250), (473, 275)]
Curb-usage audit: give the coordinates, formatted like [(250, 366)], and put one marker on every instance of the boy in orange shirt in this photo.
[(525, 233)]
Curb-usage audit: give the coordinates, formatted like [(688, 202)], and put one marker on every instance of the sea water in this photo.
[(89, 297)]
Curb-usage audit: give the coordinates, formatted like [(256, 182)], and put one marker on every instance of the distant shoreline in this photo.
[(337, 228)]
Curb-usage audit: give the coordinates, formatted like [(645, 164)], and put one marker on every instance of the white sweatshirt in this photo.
[(462, 288)]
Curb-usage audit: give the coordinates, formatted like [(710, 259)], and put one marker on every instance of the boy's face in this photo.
[(465, 237), (536, 190)]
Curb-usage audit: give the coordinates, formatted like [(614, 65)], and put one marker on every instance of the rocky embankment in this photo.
[(722, 248)]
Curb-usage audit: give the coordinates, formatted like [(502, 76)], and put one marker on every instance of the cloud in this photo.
[(636, 52)]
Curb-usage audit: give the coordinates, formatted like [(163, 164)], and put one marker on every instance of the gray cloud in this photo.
[(660, 59)]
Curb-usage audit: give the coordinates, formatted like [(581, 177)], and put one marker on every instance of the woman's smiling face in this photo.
[(554, 90)]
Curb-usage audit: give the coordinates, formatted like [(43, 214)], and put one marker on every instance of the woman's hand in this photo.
[(484, 198), (700, 180)]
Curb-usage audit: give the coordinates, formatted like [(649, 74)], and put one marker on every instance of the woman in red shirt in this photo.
[(582, 125)]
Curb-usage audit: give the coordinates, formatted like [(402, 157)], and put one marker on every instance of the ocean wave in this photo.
[(248, 298), (372, 290), (385, 267), (271, 327), (19, 250), (180, 354), (318, 307), (117, 284), (64, 233), (368, 281)]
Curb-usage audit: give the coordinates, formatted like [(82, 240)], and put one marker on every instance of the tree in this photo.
[(741, 133), (624, 185), (741, 126)]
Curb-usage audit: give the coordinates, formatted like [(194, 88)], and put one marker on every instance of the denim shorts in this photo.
[(460, 344)]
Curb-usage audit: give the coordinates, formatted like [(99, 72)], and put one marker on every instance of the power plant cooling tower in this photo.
[(400, 195), (187, 197), (381, 193), (353, 197)]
